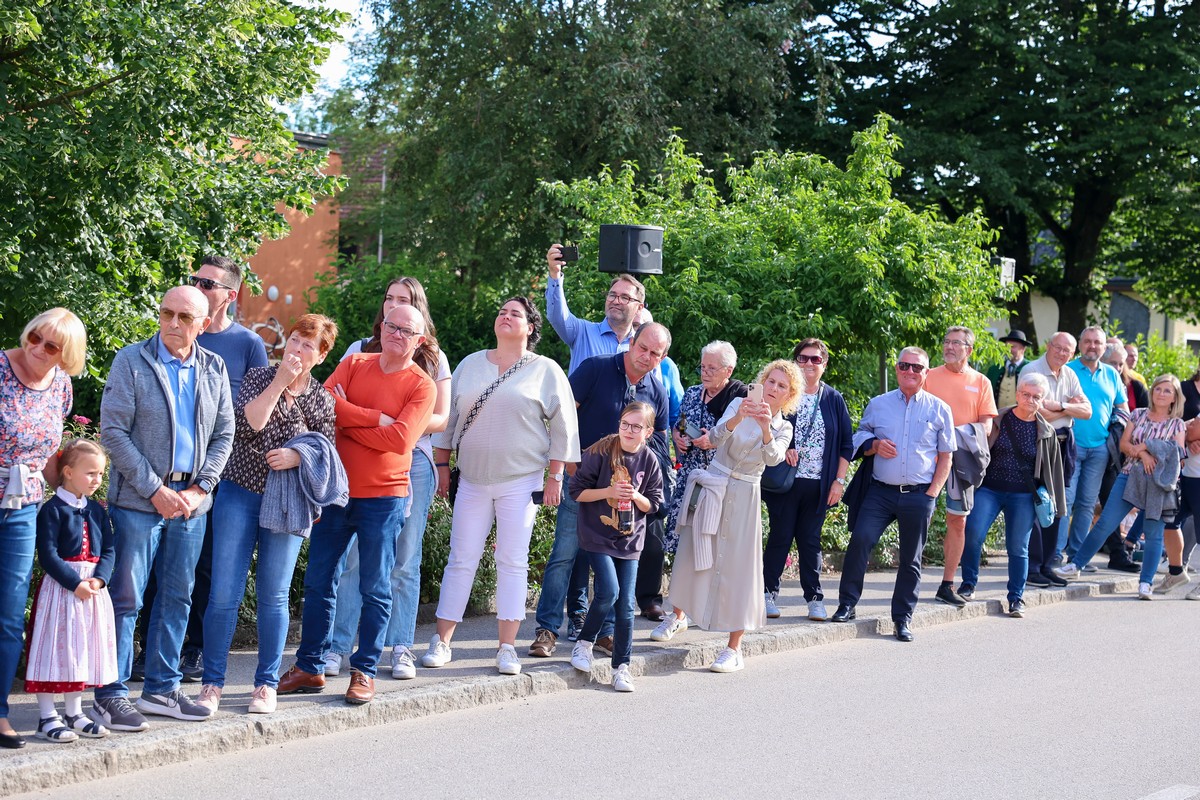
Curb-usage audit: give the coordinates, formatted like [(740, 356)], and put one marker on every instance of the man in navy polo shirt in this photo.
[(603, 386)]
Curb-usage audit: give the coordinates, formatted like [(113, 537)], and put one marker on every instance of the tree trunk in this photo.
[(1091, 208), (1014, 243)]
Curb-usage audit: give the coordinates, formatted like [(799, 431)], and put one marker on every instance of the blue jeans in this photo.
[(236, 533), (171, 547), (615, 582), (376, 521), (1114, 511), (1082, 494), (18, 535), (406, 575), (1018, 523)]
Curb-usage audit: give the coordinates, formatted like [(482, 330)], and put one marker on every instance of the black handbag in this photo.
[(779, 478)]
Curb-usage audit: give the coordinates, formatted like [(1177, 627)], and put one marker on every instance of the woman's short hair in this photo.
[(722, 350), (65, 328), (532, 316), (76, 449), (1176, 409), (807, 343), (1035, 379), (319, 327), (789, 368)]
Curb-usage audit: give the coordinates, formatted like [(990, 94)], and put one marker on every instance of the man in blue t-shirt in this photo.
[(603, 386)]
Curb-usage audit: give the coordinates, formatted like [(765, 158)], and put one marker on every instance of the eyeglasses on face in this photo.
[(908, 366), (632, 427), (956, 342), (803, 359), (165, 315), (703, 370), (51, 348), (396, 330), (206, 284), (1030, 396), (623, 299)]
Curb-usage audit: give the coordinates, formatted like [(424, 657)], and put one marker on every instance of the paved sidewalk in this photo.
[(471, 679)]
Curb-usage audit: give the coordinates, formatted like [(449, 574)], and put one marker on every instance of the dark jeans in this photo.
[(881, 506), (795, 516), (650, 564), (200, 592), (614, 584), (1043, 545)]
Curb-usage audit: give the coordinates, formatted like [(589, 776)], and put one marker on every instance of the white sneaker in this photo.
[(1066, 571), (1170, 581), (262, 700), (333, 664), (507, 662), (438, 654), (1144, 592), (581, 656), (816, 611), (404, 663), (622, 679), (728, 660), (769, 599), (670, 626), (210, 697)]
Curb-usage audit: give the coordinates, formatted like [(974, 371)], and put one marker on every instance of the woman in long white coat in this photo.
[(716, 581)]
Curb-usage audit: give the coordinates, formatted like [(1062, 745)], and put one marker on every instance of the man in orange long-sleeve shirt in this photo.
[(383, 403)]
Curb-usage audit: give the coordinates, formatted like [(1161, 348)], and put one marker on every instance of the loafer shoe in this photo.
[(297, 681), (903, 631), (654, 612), (361, 690), (12, 741), (843, 614), (947, 595)]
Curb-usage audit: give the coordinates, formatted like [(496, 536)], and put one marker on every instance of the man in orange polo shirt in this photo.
[(968, 392), (383, 402)]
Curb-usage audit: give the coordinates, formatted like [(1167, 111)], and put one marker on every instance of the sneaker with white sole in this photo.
[(816, 611), (174, 704), (670, 626), (1067, 571), (1169, 581), (404, 663), (1144, 592), (118, 714), (581, 655), (728, 660), (438, 654), (333, 664), (769, 600), (1194, 594), (622, 679), (262, 700), (209, 697), (507, 661)]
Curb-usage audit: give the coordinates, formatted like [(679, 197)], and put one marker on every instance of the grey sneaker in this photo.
[(769, 599), (816, 611), (1170, 581), (118, 714), (174, 704), (332, 664), (404, 663), (575, 626)]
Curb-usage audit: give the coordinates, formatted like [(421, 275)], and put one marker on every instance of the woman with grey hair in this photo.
[(703, 404), (1025, 453)]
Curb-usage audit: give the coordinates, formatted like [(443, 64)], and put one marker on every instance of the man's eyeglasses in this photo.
[(956, 342), (207, 284), (396, 330), (51, 348), (1062, 348), (632, 427), (908, 366), (803, 359), (623, 299), (185, 319)]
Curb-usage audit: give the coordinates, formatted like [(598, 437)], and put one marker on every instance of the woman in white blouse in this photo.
[(512, 414)]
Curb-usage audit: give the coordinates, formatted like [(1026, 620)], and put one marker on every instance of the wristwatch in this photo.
[(842, 481), (558, 476)]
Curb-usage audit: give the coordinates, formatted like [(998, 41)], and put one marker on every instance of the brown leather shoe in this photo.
[(654, 612), (362, 689), (605, 645), (543, 644), (297, 681)]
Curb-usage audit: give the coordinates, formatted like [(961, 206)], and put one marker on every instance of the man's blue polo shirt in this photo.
[(1102, 388), (182, 378), (600, 388)]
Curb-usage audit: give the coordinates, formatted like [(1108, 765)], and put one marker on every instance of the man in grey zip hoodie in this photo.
[(167, 421)]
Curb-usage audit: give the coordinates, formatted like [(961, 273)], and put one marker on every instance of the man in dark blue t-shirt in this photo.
[(603, 386)]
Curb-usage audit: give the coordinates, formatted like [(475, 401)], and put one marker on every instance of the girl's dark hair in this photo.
[(611, 445), (426, 356), (532, 316), (78, 448)]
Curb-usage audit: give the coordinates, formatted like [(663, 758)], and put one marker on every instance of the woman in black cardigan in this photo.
[(820, 452)]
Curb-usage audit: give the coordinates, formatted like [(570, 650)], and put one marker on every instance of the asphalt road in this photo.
[(1093, 699)]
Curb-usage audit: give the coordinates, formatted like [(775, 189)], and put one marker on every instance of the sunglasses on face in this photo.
[(51, 348), (803, 359), (165, 315), (908, 366), (206, 284)]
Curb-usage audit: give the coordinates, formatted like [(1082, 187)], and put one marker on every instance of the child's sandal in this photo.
[(86, 727), (52, 729)]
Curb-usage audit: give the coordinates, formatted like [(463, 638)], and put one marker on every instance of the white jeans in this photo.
[(477, 506)]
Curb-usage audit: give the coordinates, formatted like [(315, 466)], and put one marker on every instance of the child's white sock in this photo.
[(73, 703), (46, 708)]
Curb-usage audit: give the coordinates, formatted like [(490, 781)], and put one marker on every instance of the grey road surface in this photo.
[(1094, 700)]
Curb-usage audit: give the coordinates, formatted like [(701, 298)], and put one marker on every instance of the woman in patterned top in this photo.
[(273, 405), (35, 398), (820, 452)]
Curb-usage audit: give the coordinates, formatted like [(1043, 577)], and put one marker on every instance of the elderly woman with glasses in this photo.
[(35, 398), (700, 409)]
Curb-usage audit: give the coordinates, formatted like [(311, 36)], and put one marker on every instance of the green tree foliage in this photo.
[(469, 105), (1045, 115), (800, 248), (119, 164)]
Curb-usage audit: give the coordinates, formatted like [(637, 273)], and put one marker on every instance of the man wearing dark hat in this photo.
[(1004, 376)]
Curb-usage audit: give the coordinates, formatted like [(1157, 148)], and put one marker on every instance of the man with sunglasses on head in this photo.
[(166, 419), (910, 434)]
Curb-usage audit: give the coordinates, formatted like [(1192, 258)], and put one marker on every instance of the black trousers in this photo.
[(650, 564), (795, 516)]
